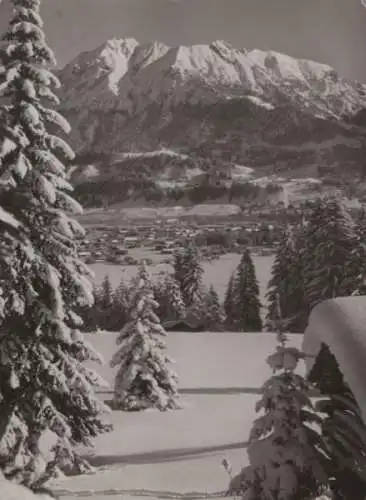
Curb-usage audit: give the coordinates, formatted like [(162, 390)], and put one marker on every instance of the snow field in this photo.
[(178, 454), (220, 360)]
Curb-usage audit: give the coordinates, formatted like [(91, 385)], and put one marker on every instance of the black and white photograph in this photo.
[(183, 249)]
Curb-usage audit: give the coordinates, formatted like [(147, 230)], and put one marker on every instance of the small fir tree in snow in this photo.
[(285, 294), (144, 378), (89, 315), (229, 303), (161, 299), (176, 307), (104, 304), (288, 457), (247, 307), (44, 383), (169, 297), (206, 311), (105, 293), (119, 307), (188, 273), (213, 314)]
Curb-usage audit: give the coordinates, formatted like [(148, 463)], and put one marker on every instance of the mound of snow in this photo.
[(12, 491)]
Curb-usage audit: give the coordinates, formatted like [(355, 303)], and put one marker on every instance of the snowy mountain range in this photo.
[(212, 106)]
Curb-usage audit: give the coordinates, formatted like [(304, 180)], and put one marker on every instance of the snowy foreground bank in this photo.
[(178, 454), (11, 491)]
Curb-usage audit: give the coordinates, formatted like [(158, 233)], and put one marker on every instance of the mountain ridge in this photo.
[(215, 104)]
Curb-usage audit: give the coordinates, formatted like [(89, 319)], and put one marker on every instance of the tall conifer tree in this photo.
[(247, 307), (104, 304), (106, 293), (213, 314), (285, 293), (229, 302), (188, 273), (119, 307), (44, 383), (169, 297), (330, 253)]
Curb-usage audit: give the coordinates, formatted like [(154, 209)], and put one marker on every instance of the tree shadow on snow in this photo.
[(157, 494), (161, 456), (212, 391), (221, 390)]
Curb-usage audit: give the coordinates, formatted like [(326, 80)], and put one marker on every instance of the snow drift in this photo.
[(12, 491), (341, 324)]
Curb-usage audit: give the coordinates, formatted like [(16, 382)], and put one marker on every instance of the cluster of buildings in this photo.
[(113, 244), (117, 244)]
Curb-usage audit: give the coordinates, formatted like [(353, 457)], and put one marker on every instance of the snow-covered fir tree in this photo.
[(44, 383), (330, 254), (188, 273), (89, 315), (160, 298), (206, 311), (213, 314), (229, 303), (285, 293), (176, 308), (247, 309), (119, 307), (287, 454), (144, 378), (195, 313), (105, 293), (104, 304), (169, 297)]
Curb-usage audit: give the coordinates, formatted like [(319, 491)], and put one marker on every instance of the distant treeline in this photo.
[(319, 257)]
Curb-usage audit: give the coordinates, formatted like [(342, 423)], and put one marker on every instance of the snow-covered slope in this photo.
[(124, 73), (12, 491), (178, 455)]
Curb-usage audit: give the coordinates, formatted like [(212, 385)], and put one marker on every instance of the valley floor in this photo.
[(178, 454)]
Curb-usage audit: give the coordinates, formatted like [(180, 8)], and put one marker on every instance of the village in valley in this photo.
[(182, 250), (116, 244)]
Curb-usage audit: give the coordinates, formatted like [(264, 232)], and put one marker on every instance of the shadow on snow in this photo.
[(163, 494), (210, 390), (160, 456)]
